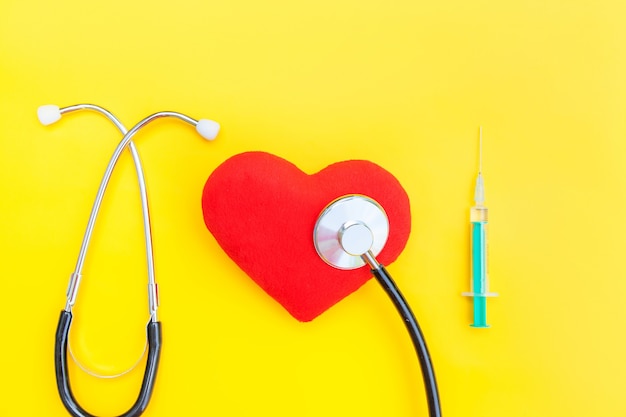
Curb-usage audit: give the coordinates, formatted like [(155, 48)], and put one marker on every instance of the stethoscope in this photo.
[(349, 233), (49, 114)]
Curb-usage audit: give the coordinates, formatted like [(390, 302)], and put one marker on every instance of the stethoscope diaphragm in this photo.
[(348, 228)]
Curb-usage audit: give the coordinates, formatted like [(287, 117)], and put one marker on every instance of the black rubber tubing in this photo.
[(428, 372), (62, 374)]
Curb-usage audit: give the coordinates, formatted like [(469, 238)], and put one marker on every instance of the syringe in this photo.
[(479, 273)]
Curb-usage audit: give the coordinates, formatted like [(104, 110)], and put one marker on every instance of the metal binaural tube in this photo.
[(77, 274), (100, 195)]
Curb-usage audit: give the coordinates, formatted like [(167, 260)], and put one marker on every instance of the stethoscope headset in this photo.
[(49, 114), (349, 233)]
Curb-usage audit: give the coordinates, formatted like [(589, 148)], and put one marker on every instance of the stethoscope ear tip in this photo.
[(48, 114), (208, 129)]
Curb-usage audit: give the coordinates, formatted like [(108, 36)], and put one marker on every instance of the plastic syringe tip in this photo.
[(479, 190)]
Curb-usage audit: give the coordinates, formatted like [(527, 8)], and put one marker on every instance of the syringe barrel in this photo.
[(479, 268), (479, 233)]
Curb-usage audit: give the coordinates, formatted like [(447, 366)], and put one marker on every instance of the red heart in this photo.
[(261, 209)]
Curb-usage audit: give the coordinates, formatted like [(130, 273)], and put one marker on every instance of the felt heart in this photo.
[(262, 209)]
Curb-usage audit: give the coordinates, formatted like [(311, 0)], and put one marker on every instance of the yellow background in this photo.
[(402, 83)]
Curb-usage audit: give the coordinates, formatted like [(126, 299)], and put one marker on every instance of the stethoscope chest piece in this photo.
[(348, 228)]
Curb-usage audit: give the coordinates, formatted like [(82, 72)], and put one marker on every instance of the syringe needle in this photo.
[(480, 150), (479, 190)]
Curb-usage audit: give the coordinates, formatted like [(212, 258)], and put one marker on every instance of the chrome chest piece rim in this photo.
[(348, 228)]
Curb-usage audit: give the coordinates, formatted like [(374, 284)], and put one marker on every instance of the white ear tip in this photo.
[(48, 114), (208, 129)]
